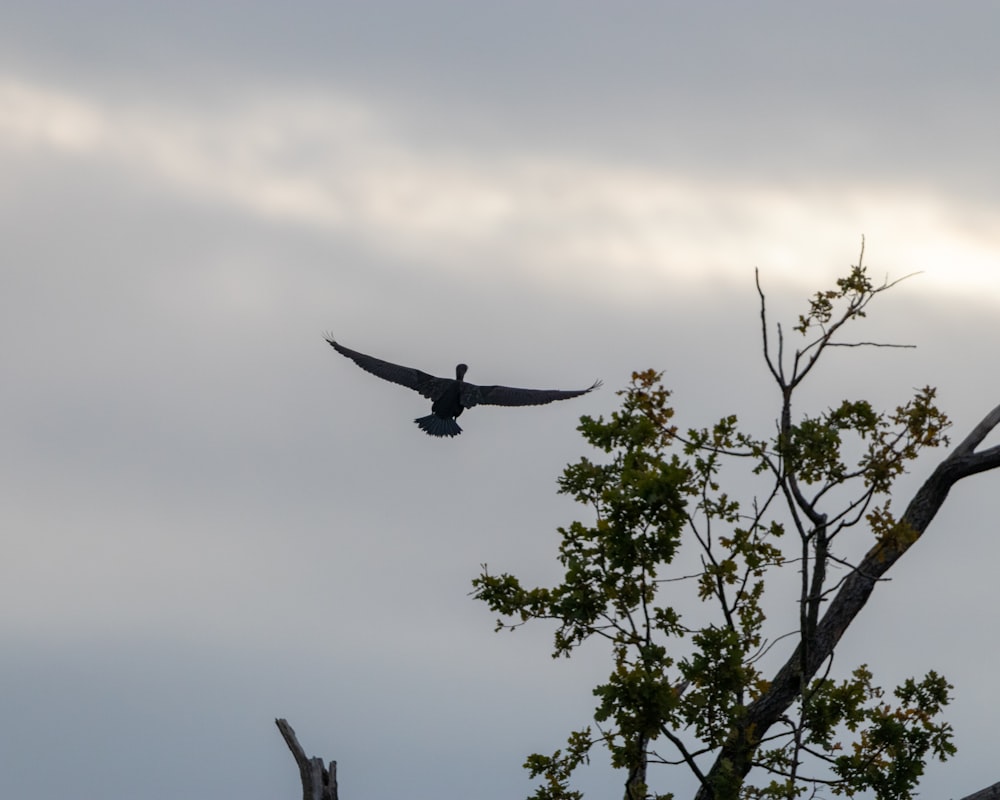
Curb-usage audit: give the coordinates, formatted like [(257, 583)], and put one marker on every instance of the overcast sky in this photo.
[(209, 519)]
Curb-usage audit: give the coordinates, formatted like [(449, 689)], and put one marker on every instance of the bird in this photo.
[(451, 396)]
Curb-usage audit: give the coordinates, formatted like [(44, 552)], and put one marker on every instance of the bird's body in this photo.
[(446, 409), (451, 396)]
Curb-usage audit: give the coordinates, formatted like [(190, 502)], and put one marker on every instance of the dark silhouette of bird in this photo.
[(451, 396)]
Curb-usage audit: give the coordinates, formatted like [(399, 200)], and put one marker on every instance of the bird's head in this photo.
[(460, 371)]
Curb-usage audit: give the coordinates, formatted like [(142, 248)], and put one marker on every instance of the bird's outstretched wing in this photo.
[(473, 395), (429, 386)]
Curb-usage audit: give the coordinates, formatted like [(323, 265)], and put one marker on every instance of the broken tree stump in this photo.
[(319, 782)]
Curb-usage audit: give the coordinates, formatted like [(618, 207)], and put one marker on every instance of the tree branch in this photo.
[(871, 344), (989, 793), (737, 755), (980, 432), (318, 781)]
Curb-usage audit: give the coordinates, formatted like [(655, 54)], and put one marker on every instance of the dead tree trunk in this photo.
[(319, 782)]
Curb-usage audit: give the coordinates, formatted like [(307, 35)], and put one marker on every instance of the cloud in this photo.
[(347, 170), (212, 513)]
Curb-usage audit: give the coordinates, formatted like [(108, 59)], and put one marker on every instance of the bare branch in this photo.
[(780, 378), (870, 344), (980, 432), (989, 793), (688, 757)]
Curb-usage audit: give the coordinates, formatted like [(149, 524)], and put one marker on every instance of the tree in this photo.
[(698, 680)]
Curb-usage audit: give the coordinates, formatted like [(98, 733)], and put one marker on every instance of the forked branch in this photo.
[(801, 667)]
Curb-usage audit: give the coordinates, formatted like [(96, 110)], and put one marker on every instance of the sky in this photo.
[(210, 519)]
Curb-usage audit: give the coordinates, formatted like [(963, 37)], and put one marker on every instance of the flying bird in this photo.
[(451, 396)]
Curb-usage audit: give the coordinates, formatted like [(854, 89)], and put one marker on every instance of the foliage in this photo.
[(685, 681)]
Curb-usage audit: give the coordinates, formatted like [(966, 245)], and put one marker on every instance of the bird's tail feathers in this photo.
[(436, 426)]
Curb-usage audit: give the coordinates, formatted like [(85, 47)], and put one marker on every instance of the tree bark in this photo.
[(989, 793), (319, 782), (736, 756)]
